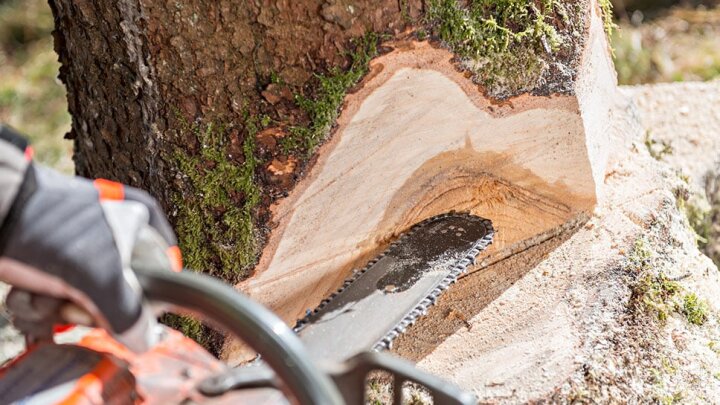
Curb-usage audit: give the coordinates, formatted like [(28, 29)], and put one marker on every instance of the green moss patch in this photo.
[(657, 294), (695, 309), (215, 211), (606, 7), (323, 105), (653, 292), (513, 46)]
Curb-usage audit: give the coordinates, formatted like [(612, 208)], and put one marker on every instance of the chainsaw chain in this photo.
[(458, 268)]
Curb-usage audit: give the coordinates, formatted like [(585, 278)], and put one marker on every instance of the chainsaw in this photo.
[(327, 358)]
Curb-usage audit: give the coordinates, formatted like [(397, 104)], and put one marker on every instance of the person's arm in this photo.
[(13, 164), (66, 239)]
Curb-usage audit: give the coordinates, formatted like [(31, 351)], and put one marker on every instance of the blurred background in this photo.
[(31, 98), (656, 41)]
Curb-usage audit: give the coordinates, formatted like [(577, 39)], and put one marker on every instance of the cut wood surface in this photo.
[(418, 138)]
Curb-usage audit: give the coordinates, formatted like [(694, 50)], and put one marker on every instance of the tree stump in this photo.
[(291, 142)]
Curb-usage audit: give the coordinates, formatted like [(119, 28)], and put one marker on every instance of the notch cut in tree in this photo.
[(236, 117)]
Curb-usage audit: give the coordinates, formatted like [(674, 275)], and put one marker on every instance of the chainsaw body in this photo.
[(310, 365), (99, 370)]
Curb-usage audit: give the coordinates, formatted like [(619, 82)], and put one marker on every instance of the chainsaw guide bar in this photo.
[(382, 300)]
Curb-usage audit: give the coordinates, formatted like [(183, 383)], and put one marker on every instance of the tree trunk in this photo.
[(290, 141)]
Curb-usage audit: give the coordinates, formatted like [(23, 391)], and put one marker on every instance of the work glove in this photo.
[(68, 247)]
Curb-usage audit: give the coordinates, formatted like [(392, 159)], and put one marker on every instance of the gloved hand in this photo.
[(68, 247)]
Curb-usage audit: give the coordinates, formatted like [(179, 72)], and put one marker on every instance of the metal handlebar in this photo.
[(262, 330)]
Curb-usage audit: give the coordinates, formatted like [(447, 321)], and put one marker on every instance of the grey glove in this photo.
[(71, 240)]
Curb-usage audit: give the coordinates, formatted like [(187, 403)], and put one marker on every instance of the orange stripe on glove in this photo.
[(113, 191), (109, 190)]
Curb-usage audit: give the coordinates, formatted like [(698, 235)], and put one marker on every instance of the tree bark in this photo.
[(227, 112), (148, 79)]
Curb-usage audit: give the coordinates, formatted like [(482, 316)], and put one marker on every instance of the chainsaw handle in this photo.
[(279, 347), (352, 375)]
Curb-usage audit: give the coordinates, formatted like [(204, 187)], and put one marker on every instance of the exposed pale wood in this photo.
[(418, 138)]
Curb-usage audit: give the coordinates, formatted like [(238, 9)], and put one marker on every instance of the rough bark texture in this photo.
[(112, 97)]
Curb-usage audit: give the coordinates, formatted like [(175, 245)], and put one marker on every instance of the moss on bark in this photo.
[(215, 213), (516, 46), (323, 108), (655, 293), (215, 217)]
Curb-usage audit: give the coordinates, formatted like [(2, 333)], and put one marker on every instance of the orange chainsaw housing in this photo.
[(99, 370)]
